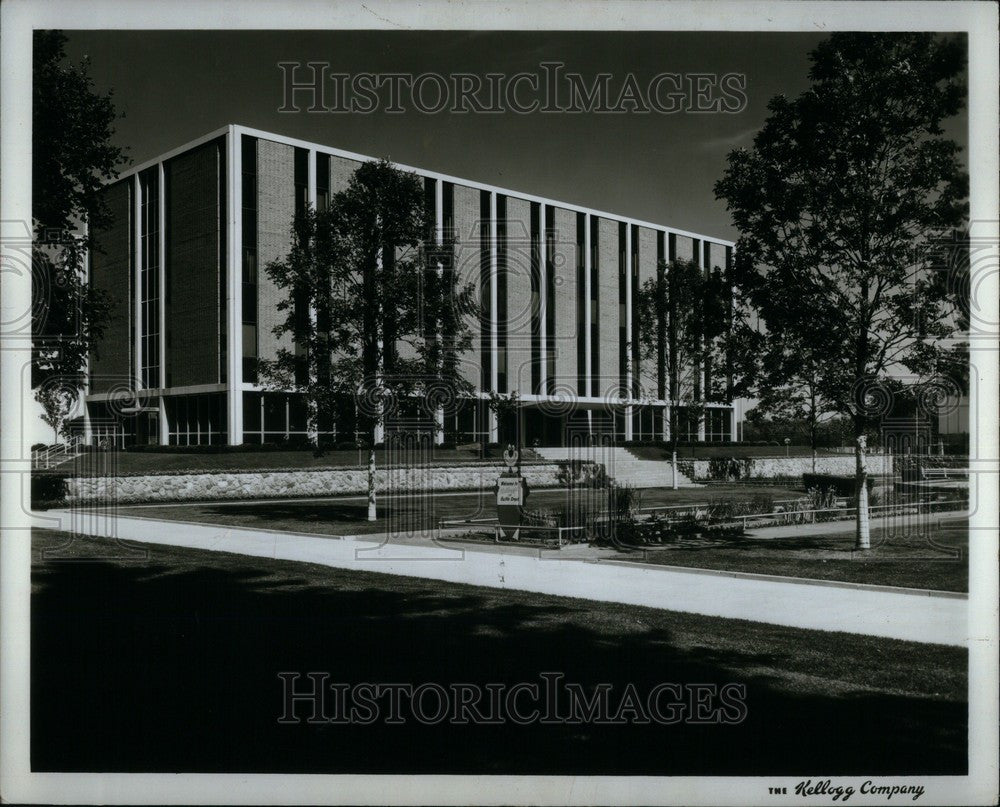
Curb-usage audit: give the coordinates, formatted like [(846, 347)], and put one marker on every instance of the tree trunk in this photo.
[(863, 538), (372, 515)]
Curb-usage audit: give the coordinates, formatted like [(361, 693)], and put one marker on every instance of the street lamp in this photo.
[(787, 441)]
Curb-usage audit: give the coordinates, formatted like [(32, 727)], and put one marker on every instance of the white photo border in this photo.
[(18, 18)]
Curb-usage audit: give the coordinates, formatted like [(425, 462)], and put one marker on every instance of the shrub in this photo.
[(48, 488), (841, 485), (38, 447), (623, 501), (727, 509)]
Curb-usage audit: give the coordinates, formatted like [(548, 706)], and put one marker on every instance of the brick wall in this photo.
[(467, 266), (193, 266), (518, 296), (110, 272), (684, 248), (608, 379), (565, 290), (275, 212), (647, 272), (340, 172), (717, 256)]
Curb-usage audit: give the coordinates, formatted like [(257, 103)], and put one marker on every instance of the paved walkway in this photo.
[(931, 617)]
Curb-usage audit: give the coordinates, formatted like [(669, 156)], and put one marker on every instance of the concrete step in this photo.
[(619, 464)]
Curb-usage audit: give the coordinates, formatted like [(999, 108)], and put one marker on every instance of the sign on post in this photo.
[(511, 490)]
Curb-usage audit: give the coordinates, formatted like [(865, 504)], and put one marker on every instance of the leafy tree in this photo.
[(373, 310), (789, 389), (506, 406), (680, 337), (839, 205), (72, 157)]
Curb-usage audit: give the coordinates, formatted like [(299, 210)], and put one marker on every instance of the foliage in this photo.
[(360, 283), (725, 509), (840, 485), (505, 406), (578, 473), (679, 338), (72, 156), (48, 487), (623, 502), (839, 205)]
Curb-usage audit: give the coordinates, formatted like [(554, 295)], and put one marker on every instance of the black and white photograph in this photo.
[(499, 403)]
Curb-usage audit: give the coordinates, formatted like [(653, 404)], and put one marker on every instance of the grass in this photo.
[(929, 554), (140, 462), (710, 450), (164, 660), (406, 513)]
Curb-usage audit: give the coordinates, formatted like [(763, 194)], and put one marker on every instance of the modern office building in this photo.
[(194, 309)]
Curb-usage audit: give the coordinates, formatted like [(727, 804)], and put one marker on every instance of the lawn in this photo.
[(919, 554), (139, 462), (419, 511), (168, 661), (705, 451), (931, 554)]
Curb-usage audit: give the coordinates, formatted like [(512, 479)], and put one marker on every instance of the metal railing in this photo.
[(55, 454)]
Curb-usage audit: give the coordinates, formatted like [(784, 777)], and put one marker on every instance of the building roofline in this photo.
[(238, 129)]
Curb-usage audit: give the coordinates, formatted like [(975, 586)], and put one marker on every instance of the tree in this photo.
[(839, 204), (789, 391), (72, 157), (680, 339), (374, 311), (506, 407)]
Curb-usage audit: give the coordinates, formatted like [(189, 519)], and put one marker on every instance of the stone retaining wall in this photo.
[(281, 484), (771, 467)]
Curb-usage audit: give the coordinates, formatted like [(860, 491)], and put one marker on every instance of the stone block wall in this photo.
[(273, 484), (772, 467)]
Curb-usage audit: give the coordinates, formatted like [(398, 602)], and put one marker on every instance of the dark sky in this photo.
[(174, 86)]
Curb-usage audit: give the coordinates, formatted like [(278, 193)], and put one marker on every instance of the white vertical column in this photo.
[(628, 330), (88, 431), (439, 240), (588, 311), (588, 315), (706, 269), (494, 317), (137, 279), (665, 358), (543, 303), (161, 205), (234, 287), (312, 428)]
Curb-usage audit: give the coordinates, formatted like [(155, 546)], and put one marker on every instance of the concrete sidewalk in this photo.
[(847, 525), (931, 617)]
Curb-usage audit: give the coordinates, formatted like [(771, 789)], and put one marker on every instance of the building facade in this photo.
[(556, 285)]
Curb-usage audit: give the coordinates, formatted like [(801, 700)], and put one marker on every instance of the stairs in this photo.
[(620, 464), (55, 454)]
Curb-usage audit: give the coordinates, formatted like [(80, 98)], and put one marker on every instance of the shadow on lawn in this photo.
[(173, 667)]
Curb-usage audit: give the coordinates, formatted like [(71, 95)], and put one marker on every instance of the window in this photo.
[(301, 181), (249, 258), (197, 420), (149, 278), (322, 182), (501, 293)]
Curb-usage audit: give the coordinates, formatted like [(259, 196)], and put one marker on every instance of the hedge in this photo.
[(841, 485), (48, 487)]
